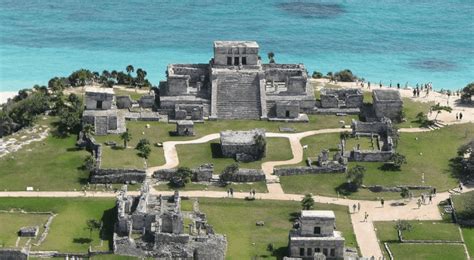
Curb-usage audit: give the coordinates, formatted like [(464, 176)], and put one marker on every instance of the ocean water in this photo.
[(387, 40)]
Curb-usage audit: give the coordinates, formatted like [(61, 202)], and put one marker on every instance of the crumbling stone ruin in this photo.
[(381, 133), (185, 128), (313, 233), (153, 226), (244, 146), (341, 98), (387, 103), (234, 85), (242, 175), (28, 231), (100, 111)]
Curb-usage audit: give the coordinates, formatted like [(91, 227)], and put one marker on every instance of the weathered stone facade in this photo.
[(28, 231), (100, 111), (123, 102), (387, 103), (153, 226), (13, 254), (99, 175), (234, 84), (99, 98), (341, 98), (243, 145), (315, 234), (243, 175), (287, 109), (185, 128)]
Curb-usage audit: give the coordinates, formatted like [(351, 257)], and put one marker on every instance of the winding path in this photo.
[(364, 230)]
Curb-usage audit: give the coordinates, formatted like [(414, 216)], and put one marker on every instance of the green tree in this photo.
[(403, 225), (87, 129), (405, 193), (438, 109), (271, 57), (355, 177), (398, 160), (92, 225), (307, 202), (81, 77), (317, 75), (129, 70), (181, 177), (467, 93), (228, 172), (143, 147), (126, 137)]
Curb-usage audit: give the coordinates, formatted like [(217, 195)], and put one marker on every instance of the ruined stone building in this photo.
[(100, 110), (153, 226), (315, 233), (341, 98), (235, 84), (243, 146), (387, 103)]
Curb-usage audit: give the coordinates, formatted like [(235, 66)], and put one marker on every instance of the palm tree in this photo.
[(271, 57), (126, 137), (130, 69)]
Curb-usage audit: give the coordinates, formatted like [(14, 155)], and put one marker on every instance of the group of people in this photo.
[(459, 116)]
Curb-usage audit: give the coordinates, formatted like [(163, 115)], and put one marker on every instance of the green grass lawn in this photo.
[(236, 219), (433, 162), (427, 251), (422, 230), (411, 109), (17, 220), (52, 164), (68, 231), (364, 142), (134, 95), (468, 234), (194, 155), (260, 187), (463, 204), (129, 157)]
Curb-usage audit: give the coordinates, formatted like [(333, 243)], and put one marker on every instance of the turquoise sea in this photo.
[(381, 40)]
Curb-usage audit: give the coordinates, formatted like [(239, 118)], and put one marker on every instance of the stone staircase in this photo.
[(238, 96), (101, 123), (437, 125)]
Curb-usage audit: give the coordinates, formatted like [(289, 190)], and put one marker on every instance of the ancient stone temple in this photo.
[(387, 103), (245, 146), (235, 84), (100, 110), (315, 234), (152, 226)]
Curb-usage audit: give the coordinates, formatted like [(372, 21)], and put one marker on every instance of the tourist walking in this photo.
[(231, 192), (382, 201), (253, 191), (419, 203), (460, 187), (430, 198), (366, 216), (460, 116), (358, 206), (414, 92), (457, 117), (354, 208)]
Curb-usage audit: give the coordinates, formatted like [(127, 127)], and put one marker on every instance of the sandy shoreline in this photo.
[(5, 95)]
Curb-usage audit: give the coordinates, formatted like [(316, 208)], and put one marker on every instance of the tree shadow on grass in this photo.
[(216, 150), (74, 149), (294, 216), (117, 147), (82, 240), (280, 252), (456, 166), (389, 167)]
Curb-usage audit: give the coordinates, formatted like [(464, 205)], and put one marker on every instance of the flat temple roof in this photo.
[(249, 44), (386, 94), (229, 137), (317, 214)]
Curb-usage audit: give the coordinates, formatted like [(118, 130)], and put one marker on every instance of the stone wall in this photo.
[(13, 254), (337, 98), (300, 170), (147, 101), (387, 103), (399, 188), (117, 176), (202, 173), (123, 102), (244, 175), (370, 155)]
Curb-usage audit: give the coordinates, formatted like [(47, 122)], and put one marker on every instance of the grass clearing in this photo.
[(194, 155), (246, 240), (17, 220), (421, 157), (427, 251), (68, 232), (468, 234)]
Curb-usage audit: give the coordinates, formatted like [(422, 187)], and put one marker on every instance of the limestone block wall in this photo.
[(370, 155), (296, 85), (300, 170), (117, 176), (281, 72), (13, 254), (202, 173), (147, 101), (287, 109), (177, 85), (329, 101), (123, 102), (353, 101), (390, 109), (92, 98), (244, 175), (307, 226)]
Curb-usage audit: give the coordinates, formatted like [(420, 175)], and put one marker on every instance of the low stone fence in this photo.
[(385, 244), (399, 188), (308, 170), (117, 175), (244, 175), (13, 254), (370, 155), (202, 173)]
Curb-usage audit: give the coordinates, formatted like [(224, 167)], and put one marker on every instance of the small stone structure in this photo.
[(123, 102), (381, 133), (100, 111), (243, 146), (28, 231), (120, 176), (202, 173), (387, 103), (151, 226), (147, 101), (315, 234), (341, 98), (14, 254), (185, 128), (234, 85), (287, 109)]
